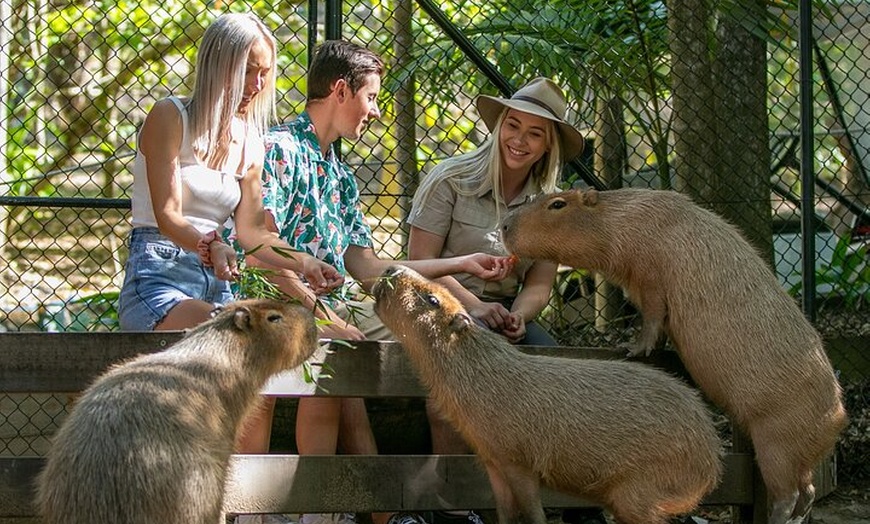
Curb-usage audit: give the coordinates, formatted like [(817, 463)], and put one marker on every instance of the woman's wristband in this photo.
[(203, 247)]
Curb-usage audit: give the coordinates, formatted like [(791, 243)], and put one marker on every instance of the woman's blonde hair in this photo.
[(220, 83), (477, 171)]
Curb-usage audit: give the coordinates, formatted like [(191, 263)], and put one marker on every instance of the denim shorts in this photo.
[(158, 275)]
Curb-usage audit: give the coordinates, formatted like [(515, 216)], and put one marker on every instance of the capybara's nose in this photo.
[(391, 271)]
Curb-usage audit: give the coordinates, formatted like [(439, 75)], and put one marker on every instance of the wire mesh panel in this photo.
[(701, 98), (697, 97)]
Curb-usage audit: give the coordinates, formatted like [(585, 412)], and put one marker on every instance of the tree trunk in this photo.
[(694, 128), (744, 168), (610, 161), (406, 119)]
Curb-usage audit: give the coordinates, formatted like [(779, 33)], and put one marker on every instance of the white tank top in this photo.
[(208, 196)]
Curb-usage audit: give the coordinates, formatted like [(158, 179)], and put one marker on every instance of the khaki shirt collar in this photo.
[(530, 190)]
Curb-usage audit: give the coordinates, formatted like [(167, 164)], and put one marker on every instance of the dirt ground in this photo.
[(848, 504)]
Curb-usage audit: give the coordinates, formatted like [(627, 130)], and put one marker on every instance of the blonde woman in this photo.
[(457, 209), (198, 164)]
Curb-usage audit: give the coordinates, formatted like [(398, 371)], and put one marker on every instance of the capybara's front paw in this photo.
[(637, 349)]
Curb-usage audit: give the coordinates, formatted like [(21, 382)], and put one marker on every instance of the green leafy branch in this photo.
[(256, 282)]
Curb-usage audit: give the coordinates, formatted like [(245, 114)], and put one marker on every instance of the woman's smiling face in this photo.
[(523, 140)]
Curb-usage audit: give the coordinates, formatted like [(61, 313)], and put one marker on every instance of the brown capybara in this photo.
[(624, 435), (150, 440), (742, 338)]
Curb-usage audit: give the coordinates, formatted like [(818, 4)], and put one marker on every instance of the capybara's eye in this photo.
[(214, 312), (433, 300), (274, 317), (557, 204)]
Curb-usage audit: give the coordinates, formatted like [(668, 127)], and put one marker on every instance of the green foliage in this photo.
[(96, 312), (848, 274), (254, 282)]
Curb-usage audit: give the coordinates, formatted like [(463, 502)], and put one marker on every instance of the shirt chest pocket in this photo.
[(480, 217), (474, 229)]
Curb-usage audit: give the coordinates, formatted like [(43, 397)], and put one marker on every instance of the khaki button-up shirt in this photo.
[(469, 225)]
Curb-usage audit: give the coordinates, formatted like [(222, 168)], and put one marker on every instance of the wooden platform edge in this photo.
[(69, 362), (360, 483)]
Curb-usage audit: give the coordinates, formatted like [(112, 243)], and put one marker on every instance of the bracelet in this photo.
[(203, 247)]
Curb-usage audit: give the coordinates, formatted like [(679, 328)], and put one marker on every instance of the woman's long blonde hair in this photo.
[(477, 171), (220, 82)]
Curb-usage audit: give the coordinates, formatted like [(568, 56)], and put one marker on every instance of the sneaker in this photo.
[(446, 517), (406, 518), (345, 518)]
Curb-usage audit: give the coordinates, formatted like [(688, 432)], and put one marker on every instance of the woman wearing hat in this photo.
[(457, 209), (458, 206)]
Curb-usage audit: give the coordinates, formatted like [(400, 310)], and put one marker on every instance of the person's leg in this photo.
[(537, 336), (317, 423), (355, 435), (255, 434), (186, 314)]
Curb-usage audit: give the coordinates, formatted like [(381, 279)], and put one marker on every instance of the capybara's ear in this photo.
[(242, 318), (590, 198), (460, 322)]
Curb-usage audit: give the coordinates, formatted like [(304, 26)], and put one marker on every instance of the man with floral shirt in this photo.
[(312, 201)]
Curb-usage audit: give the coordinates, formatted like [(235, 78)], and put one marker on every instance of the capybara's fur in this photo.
[(629, 437), (694, 277), (150, 440)]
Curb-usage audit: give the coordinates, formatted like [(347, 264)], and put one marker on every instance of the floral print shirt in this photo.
[(313, 197)]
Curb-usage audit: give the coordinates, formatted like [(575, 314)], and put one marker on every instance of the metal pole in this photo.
[(807, 171), (312, 28), (333, 19), (333, 32), (440, 18)]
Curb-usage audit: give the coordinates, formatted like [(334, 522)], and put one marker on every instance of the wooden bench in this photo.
[(67, 362)]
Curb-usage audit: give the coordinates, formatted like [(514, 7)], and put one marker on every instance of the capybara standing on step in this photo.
[(740, 335), (624, 435), (149, 442)]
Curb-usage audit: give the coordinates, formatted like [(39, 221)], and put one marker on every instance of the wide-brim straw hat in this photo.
[(541, 97)]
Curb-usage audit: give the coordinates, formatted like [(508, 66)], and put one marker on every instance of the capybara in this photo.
[(694, 277), (150, 440), (631, 438)]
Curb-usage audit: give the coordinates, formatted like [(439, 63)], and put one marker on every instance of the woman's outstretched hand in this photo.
[(489, 267)]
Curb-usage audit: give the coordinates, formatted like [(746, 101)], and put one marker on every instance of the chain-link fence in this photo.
[(707, 98)]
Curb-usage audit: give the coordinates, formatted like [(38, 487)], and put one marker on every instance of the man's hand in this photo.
[(321, 277), (340, 330), (488, 267)]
